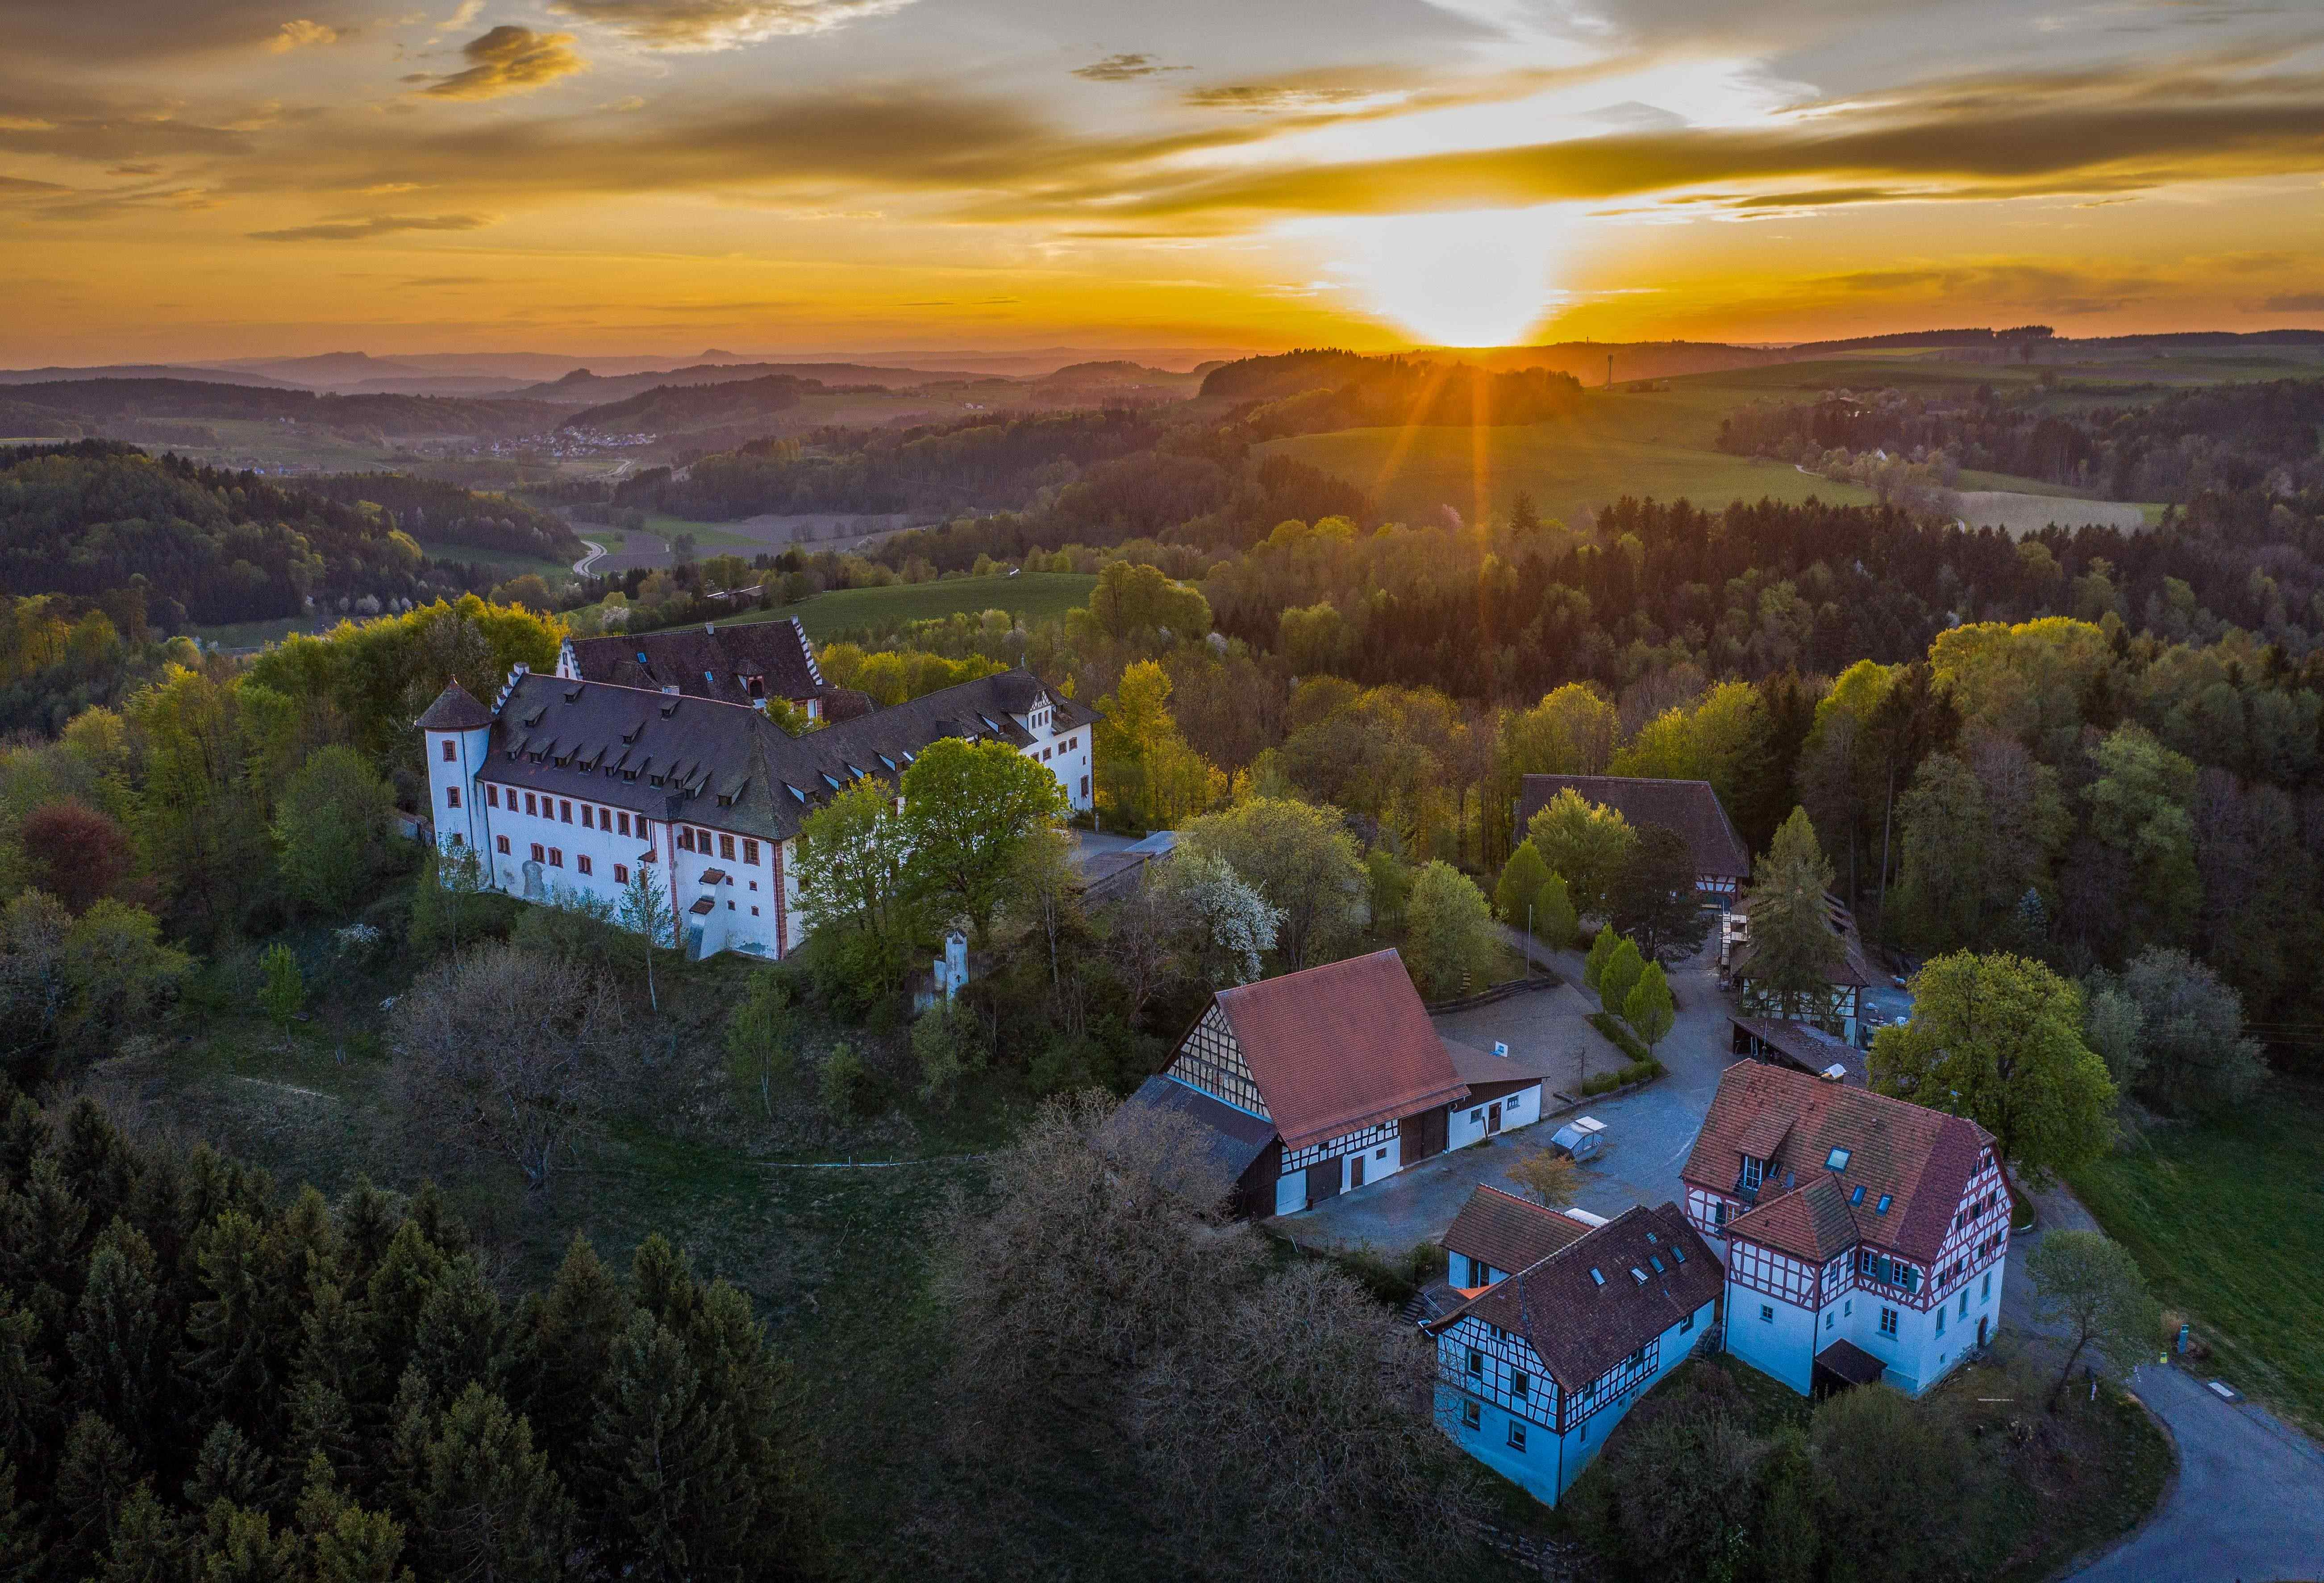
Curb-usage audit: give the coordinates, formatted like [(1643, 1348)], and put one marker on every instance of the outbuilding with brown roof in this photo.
[(1691, 808)]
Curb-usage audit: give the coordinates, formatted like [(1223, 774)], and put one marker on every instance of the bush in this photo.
[(845, 1085), (1394, 1279), (948, 1042)]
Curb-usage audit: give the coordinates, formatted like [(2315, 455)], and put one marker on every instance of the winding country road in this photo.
[(596, 551), (2247, 1506)]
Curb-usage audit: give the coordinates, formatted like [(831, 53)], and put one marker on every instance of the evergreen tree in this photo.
[(568, 1338), (458, 1340), (665, 1486), (484, 1502), (240, 1545), (227, 1468), (1792, 944), (148, 1544), (94, 1479), (1655, 900), (120, 1368)]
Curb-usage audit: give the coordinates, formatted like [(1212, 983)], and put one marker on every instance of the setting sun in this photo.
[(1475, 278)]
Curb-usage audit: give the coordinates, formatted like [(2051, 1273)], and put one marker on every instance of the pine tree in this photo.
[(569, 1344), (237, 1331), (349, 1544), (484, 1503), (239, 1545), (20, 1531), (1792, 944), (148, 1544), (228, 1468), (667, 1493), (93, 1482), (120, 1367), (457, 1341)]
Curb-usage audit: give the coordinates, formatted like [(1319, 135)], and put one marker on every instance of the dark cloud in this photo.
[(1123, 68), (509, 59), (2296, 302), (374, 226), (721, 24)]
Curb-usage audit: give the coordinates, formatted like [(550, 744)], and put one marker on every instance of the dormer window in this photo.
[(1754, 1172)]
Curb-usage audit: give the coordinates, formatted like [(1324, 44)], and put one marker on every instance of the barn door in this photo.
[(1493, 1119), (1421, 1135), (1323, 1182)]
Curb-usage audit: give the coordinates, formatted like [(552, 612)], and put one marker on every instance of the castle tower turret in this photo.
[(455, 735)]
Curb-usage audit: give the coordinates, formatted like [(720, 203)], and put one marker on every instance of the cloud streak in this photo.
[(364, 230)]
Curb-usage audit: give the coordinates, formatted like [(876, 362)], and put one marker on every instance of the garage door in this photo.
[(1323, 1182)]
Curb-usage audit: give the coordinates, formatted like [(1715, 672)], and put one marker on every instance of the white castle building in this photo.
[(563, 786)]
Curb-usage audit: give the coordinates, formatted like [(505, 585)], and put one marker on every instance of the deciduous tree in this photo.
[(1516, 894), (1655, 901), (1448, 931), (1998, 1039), (1303, 861), (331, 827), (1648, 1007), (969, 808), (1587, 843), (2091, 1288)]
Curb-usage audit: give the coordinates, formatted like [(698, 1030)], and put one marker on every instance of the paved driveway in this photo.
[(1648, 1134), (2248, 1506)]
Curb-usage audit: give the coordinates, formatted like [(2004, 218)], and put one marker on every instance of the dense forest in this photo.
[(109, 402), (2226, 439)]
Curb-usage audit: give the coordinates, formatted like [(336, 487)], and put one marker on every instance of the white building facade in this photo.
[(563, 788)]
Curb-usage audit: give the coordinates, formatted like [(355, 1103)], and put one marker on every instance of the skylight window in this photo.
[(1836, 1161), (1657, 1263), (1886, 1200), (1856, 1194), (1638, 1274), (1678, 1253), (1598, 1275)]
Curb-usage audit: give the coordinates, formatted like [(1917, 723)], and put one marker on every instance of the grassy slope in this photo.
[(1620, 443), (1035, 596), (2227, 1221)]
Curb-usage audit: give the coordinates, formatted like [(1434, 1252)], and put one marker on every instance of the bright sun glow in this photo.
[(1473, 278)]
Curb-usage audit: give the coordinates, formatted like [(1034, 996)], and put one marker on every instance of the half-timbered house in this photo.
[(1838, 1010), (1341, 1064), (1867, 1236), (1534, 1370)]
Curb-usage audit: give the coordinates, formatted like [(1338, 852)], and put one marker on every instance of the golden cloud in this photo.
[(721, 24), (509, 59), (302, 32)]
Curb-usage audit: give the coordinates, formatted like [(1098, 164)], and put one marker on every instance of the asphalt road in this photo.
[(2248, 1506)]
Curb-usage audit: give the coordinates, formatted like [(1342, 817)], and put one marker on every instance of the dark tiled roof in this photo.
[(455, 710), (1851, 1363), (1474, 1066), (723, 764), (709, 662), (1687, 806), (1338, 1048), (1581, 1326), (1806, 1046), (1812, 1222), (1922, 1158), (1508, 1232), (1224, 1140)]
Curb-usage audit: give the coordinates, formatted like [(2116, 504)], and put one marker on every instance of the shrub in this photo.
[(948, 1042), (845, 1085)]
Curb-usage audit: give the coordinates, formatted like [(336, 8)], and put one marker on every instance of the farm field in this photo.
[(252, 634), (2021, 513), (505, 560), (1621, 443), (2228, 1221)]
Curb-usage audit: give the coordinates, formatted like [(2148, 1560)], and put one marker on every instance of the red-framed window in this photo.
[(503, 844), (621, 873), (451, 796), (450, 754)]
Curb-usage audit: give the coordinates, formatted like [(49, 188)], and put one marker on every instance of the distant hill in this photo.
[(94, 403), (666, 408), (219, 376), (1308, 392), (328, 370), (584, 388)]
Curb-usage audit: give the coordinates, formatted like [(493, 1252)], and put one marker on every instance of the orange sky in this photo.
[(183, 179)]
